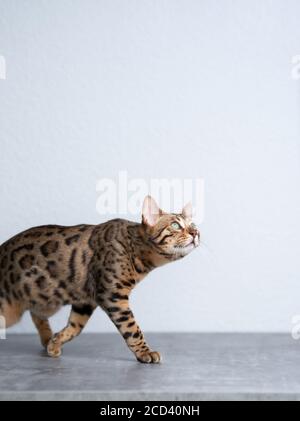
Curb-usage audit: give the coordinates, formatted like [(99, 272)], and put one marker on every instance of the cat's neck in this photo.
[(144, 251)]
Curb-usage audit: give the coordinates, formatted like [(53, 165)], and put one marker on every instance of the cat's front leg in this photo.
[(121, 315)]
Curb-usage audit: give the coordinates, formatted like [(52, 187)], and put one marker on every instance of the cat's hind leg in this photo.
[(43, 328), (78, 319)]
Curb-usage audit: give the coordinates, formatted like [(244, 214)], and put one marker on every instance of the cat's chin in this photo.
[(183, 250)]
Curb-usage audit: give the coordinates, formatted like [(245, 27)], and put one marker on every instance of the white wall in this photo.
[(168, 89)]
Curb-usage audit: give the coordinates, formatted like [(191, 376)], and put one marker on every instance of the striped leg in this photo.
[(43, 328), (123, 318), (78, 318)]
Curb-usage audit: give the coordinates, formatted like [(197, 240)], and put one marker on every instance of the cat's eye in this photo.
[(175, 226)]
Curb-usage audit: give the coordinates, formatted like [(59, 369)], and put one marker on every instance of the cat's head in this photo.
[(172, 234)]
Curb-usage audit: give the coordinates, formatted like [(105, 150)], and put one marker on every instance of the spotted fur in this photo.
[(85, 266)]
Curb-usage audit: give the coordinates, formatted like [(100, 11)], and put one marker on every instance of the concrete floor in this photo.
[(195, 367)]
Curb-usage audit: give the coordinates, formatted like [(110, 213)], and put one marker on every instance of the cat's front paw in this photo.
[(53, 349), (149, 357)]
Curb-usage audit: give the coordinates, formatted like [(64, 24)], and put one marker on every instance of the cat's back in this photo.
[(113, 231), (57, 248), (36, 236), (47, 243)]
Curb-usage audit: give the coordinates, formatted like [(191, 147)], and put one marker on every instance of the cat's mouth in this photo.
[(184, 249)]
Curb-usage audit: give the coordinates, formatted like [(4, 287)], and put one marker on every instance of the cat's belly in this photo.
[(45, 311)]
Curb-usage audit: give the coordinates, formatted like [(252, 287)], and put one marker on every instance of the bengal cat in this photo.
[(47, 267)]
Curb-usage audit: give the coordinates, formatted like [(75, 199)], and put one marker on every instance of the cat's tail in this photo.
[(2, 315), (10, 312)]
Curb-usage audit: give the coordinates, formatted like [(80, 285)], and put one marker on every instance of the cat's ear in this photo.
[(187, 211), (151, 211)]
